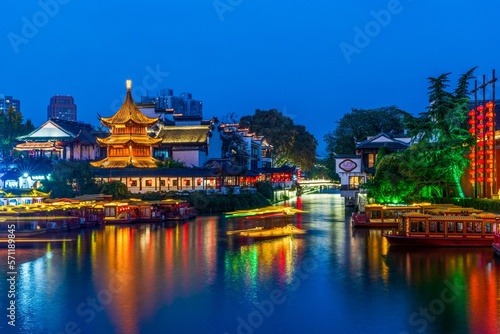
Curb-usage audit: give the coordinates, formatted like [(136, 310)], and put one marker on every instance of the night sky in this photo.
[(312, 60)]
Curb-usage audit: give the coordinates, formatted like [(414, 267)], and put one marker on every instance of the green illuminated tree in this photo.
[(432, 167)]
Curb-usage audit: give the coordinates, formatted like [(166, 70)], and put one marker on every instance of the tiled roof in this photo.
[(128, 112), (125, 139), (107, 163), (61, 130), (190, 134), (381, 140), (154, 172)]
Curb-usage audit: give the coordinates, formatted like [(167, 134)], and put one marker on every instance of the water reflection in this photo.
[(262, 264), (458, 287)]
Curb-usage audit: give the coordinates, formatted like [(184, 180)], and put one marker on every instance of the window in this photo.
[(451, 227), (414, 226), (376, 214), (487, 227), (371, 160), (198, 182), (149, 183), (356, 181), (174, 183), (421, 227), (441, 227), (162, 183), (460, 227), (133, 183), (432, 227)]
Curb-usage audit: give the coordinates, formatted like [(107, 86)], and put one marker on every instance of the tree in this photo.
[(70, 179), (171, 163), (434, 165), (362, 123), (117, 189), (292, 144), (11, 127)]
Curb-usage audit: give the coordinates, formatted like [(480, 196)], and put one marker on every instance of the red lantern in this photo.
[(489, 114), (489, 133), (489, 161), (472, 172), (489, 105), (489, 170), (480, 126), (480, 108), (472, 121), (472, 130), (489, 124), (489, 180), (472, 155), (480, 161), (489, 151), (472, 113), (480, 179), (480, 117), (480, 143)]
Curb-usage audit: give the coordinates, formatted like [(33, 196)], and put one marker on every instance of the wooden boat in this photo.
[(23, 223), (119, 213), (260, 212), (382, 216), (180, 210), (275, 232), (418, 229)]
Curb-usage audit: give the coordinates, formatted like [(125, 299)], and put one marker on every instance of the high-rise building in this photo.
[(8, 101), (62, 107), (180, 106)]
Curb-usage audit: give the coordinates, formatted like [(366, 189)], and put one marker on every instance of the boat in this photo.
[(237, 232), (275, 232), (120, 213), (419, 229), (172, 209), (382, 216), (267, 210), (496, 237), (21, 223)]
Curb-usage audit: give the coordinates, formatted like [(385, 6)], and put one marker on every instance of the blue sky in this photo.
[(312, 60)]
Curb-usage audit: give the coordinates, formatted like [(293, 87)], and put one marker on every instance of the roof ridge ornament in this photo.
[(129, 84)]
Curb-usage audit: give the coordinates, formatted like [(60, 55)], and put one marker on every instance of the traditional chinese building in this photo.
[(129, 144)]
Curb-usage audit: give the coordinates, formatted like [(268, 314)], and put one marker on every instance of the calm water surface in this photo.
[(192, 278)]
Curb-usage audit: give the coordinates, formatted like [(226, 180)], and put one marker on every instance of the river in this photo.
[(192, 278)]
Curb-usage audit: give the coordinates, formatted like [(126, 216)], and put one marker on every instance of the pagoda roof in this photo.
[(188, 134), (120, 162), (383, 139), (125, 139), (44, 146), (128, 113), (61, 130)]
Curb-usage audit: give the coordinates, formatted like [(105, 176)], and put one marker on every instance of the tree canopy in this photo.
[(292, 144), (362, 123), (434, 165), (70, 179), (11, 127)]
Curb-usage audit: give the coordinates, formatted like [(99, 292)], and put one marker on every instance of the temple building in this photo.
[(63, 139), (129, 144)]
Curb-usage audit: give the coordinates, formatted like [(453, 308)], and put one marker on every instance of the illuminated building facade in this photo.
[(62, 107)]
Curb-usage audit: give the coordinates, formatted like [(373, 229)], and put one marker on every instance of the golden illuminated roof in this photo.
[(117, 162), (128, 113), (48, 145), (126, 139), (194, 134)]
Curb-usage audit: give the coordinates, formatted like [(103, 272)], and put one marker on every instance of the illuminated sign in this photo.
[(348, 165)]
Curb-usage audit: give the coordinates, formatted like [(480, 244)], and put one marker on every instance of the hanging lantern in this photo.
[(489, 151), (489, 124), (472, 180), (489, 161), (472, 155), (472, 172), (480, 161), (472, 130), (480, 126), (472, 121), (489, 114), (489, 180), (480, 143), (480, 117), (480, 108), (489, 133), (489, 105), (489, 142), (480, 179), (472, 113)]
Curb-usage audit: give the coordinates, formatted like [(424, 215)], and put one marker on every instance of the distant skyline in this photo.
[(313, 61)]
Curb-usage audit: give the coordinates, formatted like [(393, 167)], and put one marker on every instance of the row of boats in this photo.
[(68, 214), (428, 224)]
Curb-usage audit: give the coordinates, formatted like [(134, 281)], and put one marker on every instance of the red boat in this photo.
[(418, 229)]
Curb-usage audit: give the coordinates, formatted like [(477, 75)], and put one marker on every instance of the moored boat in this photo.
[(382, 216), (418, 229), (496, 237)]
